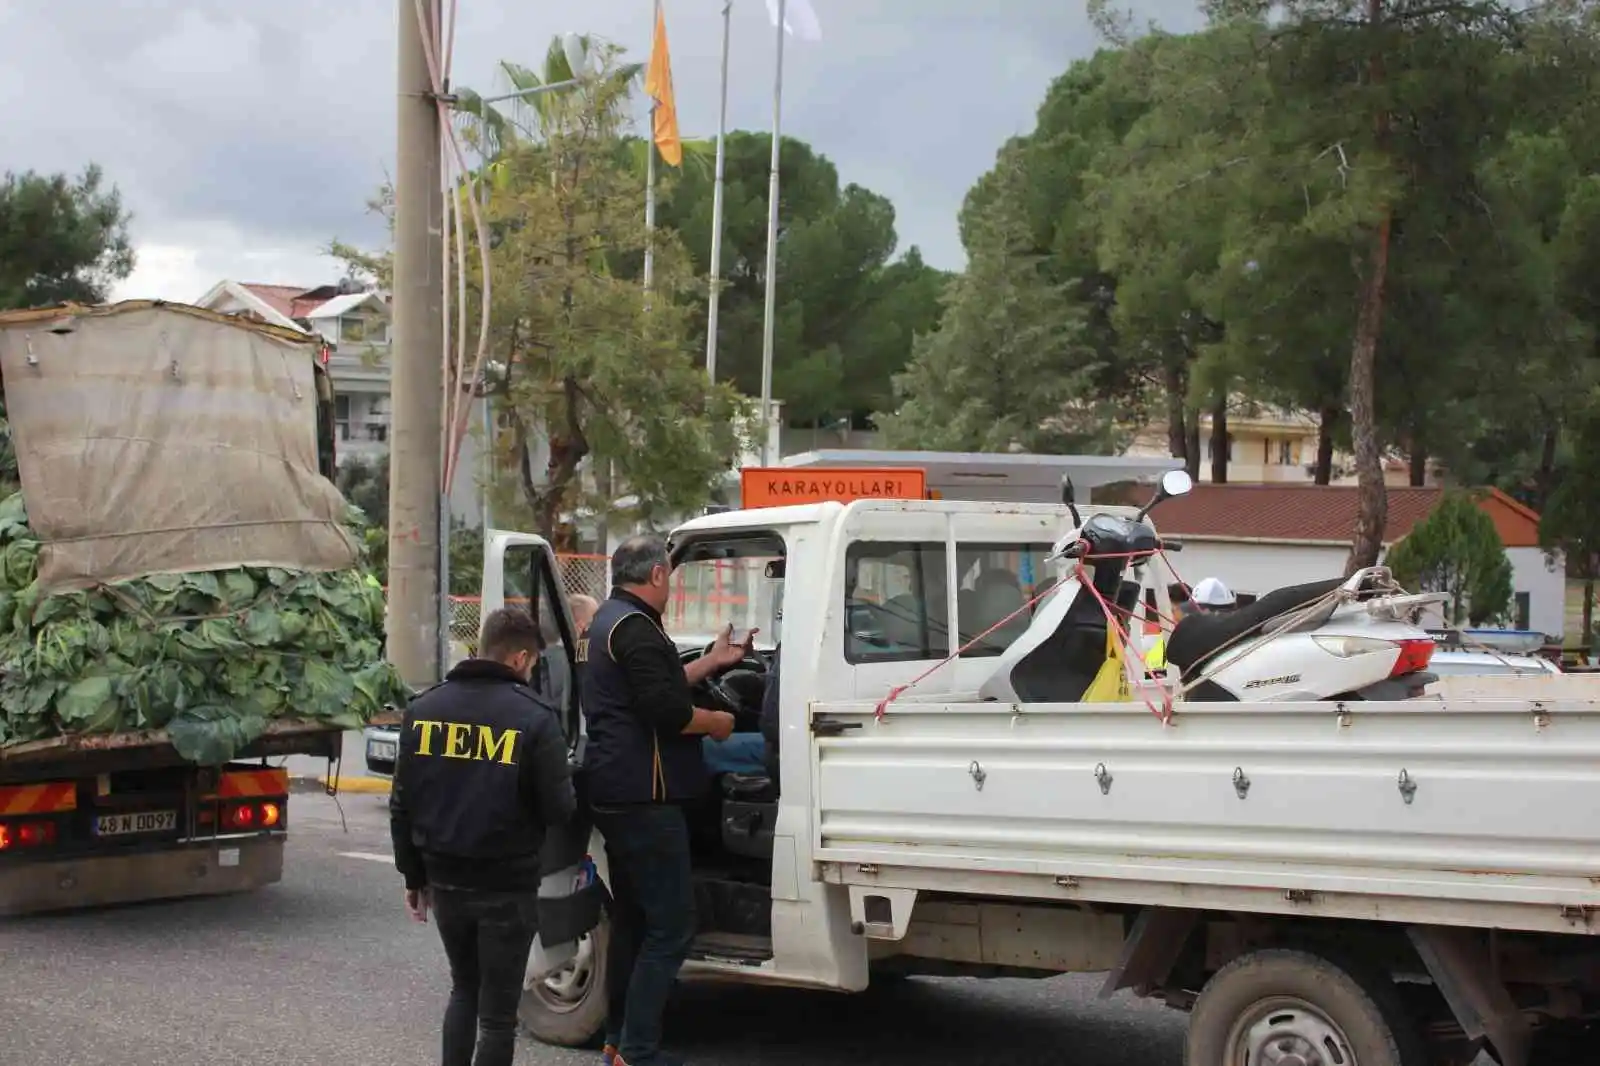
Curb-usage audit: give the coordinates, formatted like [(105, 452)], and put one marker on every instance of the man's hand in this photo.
[(725, 653), (721, 725), (718, 725), (417, 902)]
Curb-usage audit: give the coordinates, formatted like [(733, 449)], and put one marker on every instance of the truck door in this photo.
[(521, 570)]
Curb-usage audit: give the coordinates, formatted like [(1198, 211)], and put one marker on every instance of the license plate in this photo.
[(116, 825), (382, 750)]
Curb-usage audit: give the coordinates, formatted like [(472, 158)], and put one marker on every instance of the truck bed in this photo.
[(87, 754), (1477, 811)]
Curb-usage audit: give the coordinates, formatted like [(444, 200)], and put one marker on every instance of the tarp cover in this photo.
[(157, 437)]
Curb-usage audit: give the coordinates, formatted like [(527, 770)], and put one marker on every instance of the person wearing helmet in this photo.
[(1211, 596)]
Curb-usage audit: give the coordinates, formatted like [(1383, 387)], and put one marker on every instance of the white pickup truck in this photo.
[(1319, 884)]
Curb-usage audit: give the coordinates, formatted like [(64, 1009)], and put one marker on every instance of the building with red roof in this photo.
[(1256, 538)]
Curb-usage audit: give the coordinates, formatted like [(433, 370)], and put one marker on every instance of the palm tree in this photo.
[(494, 129)]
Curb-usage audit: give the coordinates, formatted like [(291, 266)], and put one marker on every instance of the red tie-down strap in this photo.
[(1108, 609)]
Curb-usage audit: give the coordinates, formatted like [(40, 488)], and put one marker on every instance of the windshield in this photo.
[(737, 583)]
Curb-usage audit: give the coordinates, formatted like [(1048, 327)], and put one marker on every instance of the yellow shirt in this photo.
[(1156, 656)]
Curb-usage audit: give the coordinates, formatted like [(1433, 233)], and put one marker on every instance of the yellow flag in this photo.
[(658, 83)]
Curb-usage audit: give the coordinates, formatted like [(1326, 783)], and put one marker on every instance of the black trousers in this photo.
[(652, 923), (487, 937)]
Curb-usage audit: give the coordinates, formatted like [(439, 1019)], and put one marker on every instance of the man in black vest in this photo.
[(642, 763), (482, 773)]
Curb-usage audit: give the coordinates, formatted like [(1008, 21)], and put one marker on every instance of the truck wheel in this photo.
[(1280, 1007), (568, 1008)]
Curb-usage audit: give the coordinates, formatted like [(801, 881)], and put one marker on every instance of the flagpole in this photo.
[(650, 192), (716, 202), (770, 321)]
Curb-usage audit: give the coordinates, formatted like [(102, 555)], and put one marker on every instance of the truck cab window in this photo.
[(994, 582), (896, 607)]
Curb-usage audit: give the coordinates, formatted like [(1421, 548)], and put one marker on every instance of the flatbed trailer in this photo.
[(96, 820)]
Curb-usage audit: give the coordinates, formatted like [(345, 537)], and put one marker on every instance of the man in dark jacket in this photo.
[(482, 773), (642, 763)]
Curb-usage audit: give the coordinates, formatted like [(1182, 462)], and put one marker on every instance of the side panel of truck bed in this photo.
[(1473, 807)]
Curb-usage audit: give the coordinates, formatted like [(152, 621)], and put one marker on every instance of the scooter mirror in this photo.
[(1176, 483), (1068, 494)]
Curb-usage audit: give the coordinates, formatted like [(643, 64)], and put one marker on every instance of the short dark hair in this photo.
[(507, 631), (635, 557)]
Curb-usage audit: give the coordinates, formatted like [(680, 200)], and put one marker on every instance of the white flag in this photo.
[(798, 19)]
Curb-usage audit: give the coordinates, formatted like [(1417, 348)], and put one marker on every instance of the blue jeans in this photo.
[(487, 937), (652, 922), (742, 753)]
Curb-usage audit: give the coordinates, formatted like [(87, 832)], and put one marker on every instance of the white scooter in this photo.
[(1345, 639)]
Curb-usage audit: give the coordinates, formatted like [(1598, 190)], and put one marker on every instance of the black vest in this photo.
[(625, 760)]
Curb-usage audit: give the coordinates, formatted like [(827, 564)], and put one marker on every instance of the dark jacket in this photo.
[(636, 703), (482, 772)]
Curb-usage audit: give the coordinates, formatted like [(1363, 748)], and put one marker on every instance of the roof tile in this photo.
[(1287, 512), (292, 301)]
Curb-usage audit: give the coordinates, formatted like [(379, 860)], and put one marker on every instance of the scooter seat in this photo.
[(1197, 637)]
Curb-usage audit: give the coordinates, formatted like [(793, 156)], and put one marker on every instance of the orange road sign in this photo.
[(784, 486)]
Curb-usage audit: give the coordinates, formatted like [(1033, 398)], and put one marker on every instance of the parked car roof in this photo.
[(1454, 662)]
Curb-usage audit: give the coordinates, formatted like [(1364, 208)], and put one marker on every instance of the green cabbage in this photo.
[(211, 657)]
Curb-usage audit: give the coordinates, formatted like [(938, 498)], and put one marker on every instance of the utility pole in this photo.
[(416, 456), (716, 202)]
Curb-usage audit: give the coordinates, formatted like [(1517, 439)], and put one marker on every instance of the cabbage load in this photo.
[(212, 657)]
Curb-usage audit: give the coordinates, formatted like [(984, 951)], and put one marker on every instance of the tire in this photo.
[(1285, 1006), (568, 1009)]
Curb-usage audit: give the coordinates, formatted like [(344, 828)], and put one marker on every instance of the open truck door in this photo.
[(521, 570), (563, 1000)]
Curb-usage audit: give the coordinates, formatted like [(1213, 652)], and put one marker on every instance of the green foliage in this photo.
[(1208, 208), (212, 657), (365, 484), (1570, 522), (847, 308), (61, 239), (1456, 550), (597, 368), (1006, 369)]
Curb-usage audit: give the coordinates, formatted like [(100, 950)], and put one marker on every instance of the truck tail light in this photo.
[(253, 817), (31, 834)]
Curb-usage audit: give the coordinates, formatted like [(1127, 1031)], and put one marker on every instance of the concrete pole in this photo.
[(416, 456)]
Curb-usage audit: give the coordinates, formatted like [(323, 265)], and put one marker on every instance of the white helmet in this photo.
[(1211, 592)]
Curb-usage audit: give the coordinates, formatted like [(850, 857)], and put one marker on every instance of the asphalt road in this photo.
[(324, 969)]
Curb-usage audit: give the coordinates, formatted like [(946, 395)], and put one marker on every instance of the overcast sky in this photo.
[(245, 135)]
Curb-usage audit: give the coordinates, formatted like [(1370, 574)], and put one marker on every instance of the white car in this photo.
[(1455, 662)]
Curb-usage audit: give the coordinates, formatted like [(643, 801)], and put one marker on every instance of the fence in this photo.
[(588, 575), (705, 596)]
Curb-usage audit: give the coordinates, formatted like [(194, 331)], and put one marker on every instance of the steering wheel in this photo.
[(721, 698)]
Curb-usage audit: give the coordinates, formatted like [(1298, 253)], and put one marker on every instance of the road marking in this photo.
[(369, 856)]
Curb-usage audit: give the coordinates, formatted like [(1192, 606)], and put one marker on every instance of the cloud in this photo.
[(245, 136)]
